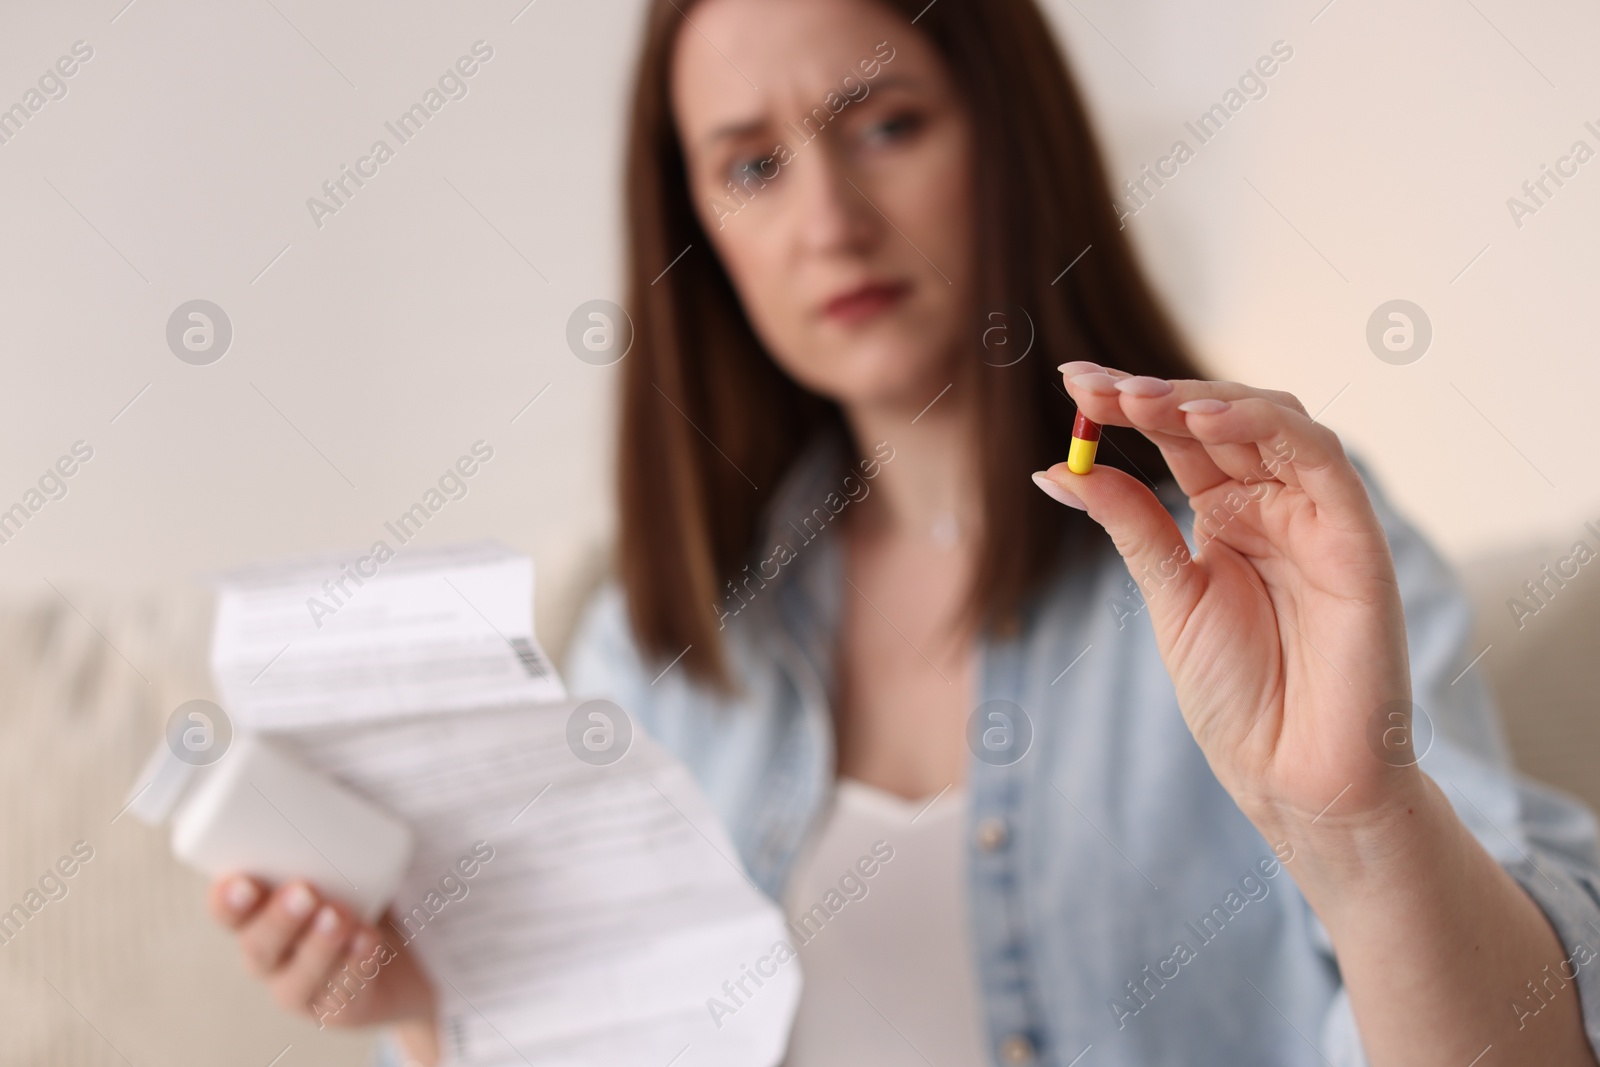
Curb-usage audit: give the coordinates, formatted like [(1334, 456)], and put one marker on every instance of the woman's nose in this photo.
[(835, 209)]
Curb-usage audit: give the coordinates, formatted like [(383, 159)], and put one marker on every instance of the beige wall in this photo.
[(1377, 167), (428, 311)]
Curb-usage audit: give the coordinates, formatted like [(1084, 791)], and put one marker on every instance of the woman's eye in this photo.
[(752, 169), (894, 128)]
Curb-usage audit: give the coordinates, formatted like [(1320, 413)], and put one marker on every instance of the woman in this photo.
[(842, 605)]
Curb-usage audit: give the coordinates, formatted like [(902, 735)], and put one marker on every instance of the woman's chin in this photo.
[(908, 395), (879, 374)]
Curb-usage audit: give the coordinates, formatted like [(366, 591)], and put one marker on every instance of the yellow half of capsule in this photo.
[(1080, 456)]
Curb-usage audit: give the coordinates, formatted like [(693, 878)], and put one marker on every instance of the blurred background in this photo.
[(1384, 160)]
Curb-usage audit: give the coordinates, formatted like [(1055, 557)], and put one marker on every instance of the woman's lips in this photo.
[(860, 304)]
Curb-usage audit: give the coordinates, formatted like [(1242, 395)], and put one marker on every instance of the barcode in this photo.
[(532, 661)]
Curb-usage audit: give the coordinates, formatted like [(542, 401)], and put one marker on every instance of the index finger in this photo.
[(1237, 426), (1151, 404), (1146, 404)]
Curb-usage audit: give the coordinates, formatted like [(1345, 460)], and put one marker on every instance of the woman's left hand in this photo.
[(1283, 634)]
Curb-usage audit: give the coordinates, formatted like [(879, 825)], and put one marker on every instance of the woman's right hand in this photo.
[(320, 960)]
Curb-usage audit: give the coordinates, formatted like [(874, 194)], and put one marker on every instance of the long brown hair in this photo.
[(707, 416)]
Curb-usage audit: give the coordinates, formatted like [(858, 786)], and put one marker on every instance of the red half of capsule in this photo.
[(1085, 428)]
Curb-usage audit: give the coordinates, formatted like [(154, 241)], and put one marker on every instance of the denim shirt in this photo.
[(1109, 843)]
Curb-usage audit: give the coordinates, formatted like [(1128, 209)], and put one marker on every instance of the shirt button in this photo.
[(992, 834), (1016, 1049)]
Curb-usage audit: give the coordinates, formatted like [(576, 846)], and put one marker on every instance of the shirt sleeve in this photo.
[(1545, 839)]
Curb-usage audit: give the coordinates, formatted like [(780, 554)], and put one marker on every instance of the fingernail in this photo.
[(1098, 382), (1055, 492), (1079, 366), (1205, 405), (299, 901), (327, 920), (241, 893), (1144, 386)]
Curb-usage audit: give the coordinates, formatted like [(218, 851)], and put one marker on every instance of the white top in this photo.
[(885, 957)]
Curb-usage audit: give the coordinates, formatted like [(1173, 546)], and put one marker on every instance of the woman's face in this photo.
[(846, 230)]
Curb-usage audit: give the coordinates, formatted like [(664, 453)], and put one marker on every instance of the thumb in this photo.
[(1142, 531)]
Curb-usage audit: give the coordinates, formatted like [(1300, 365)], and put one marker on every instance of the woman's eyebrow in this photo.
[(891, 81), (734, 130), (752, 126)]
